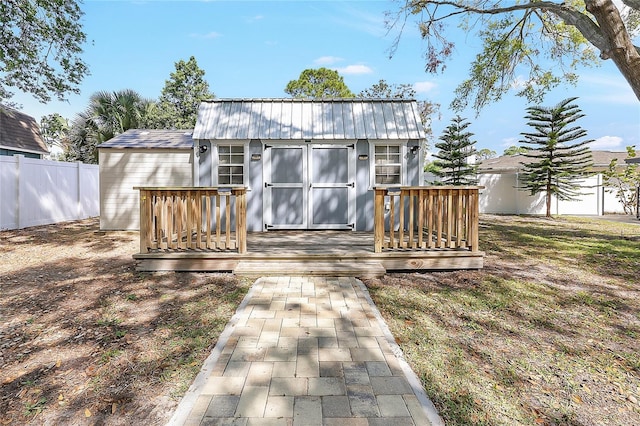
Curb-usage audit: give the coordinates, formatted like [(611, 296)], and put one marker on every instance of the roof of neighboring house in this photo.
[(634, 160), (20, 132), (309, 119), (145, 139), (601, 159)]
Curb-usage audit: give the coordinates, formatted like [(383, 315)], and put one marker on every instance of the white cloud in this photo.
[(327, 60), (210, 35), (609, 89), (607, 143), (255, 18), (507, 142), (355, 70), (424, 86)]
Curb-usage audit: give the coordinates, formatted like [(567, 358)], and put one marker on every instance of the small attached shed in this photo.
[(309, 164), (140, 158)]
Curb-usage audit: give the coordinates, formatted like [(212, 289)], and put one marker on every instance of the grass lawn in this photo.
[(547, 333)]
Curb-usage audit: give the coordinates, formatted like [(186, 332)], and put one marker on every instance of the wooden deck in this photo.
[(329, 253)]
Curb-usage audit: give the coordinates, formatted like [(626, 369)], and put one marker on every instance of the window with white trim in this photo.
[(231, 164), (387, 165)]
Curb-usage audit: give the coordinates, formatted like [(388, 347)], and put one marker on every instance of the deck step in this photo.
[(327, 269)]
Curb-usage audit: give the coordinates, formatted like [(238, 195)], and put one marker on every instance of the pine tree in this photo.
[(557, 162), (455, 149), (177, 107)]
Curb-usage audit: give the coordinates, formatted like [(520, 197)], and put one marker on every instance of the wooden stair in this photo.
[(326, 269)]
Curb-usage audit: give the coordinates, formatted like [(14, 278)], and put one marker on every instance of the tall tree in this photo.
[(55, 130), (40, 47), (558, 159), (318, 83), (177, 107), (515, 150), (108, 114), (624, 181), (526, 35), (456, 148), (384, 90), (486, 154)]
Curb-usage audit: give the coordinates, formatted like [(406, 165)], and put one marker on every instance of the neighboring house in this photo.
[(501, 179), (307, 164), (20, 134)]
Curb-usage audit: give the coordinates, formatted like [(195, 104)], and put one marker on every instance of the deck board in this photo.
[(310, 253)]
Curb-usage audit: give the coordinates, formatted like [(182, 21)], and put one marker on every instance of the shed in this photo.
[(20, 134), (139, 158), (307, 164)]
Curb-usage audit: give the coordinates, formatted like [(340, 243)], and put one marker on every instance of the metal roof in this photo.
[(307, 119), (20, 132), (144, 139)]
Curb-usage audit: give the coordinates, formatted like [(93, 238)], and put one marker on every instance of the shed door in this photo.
[(286, 193), (309, 187), (331, 187)]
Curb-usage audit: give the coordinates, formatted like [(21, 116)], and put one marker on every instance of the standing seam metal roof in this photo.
[(142, 139), (303, 119)]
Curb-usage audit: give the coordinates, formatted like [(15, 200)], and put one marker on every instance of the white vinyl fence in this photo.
[(502, 196), (39, 192)]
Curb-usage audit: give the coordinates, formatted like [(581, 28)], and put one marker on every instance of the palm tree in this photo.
[(108, 115)]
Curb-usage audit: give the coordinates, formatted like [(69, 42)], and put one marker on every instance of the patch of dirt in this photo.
[(85, 339)]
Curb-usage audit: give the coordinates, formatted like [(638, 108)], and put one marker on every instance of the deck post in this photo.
[(145, 218), (474, 218), (378, 218), (241, 221)]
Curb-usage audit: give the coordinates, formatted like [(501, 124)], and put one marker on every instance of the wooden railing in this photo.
[(426, 218), (196, 218)]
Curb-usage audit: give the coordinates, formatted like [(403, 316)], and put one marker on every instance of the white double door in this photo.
[(309, 186)]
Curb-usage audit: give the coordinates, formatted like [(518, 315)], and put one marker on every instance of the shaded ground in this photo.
[(84, 339), (547, 333)]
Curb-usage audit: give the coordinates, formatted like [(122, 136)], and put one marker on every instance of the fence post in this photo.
[(20, 195), (79, 209)]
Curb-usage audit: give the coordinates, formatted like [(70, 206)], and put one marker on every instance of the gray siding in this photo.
[(256, 189), (414, 164), (364, 197)]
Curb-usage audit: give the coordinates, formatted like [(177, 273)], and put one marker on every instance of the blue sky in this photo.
[(251, 49)]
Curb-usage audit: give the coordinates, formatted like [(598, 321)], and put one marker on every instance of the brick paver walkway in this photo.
[(306, 351)]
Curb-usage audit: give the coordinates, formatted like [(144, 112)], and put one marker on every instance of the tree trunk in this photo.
[(620, 46)]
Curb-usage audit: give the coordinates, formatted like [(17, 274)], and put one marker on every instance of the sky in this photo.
[(252, 49)]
